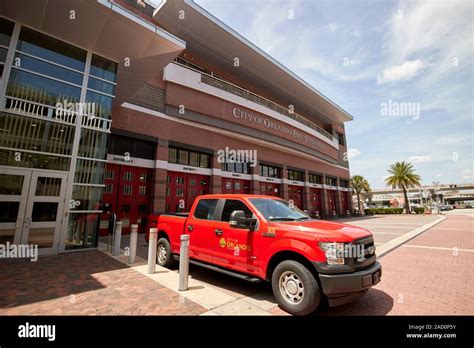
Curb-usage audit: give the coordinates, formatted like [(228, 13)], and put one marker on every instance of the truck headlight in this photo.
[(334, 252)]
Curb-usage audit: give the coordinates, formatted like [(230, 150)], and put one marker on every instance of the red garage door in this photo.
[(316, 200), (344, 201), (182, 189), (270, 189), (127, 193), (295, 194), (231, 185), (332, 202)]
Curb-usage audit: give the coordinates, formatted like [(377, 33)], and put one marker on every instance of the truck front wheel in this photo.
[(295, 288), (163, 253)]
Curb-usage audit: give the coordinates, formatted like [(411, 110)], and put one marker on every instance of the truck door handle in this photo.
[(190, 228), (218, 232)]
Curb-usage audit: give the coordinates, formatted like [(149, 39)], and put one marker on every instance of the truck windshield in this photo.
[(278, 210)]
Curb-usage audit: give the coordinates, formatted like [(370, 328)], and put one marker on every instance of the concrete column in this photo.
[(159, 178), (215, 181), (324, 200), (255, 184), (284, 186), (339, 209), (307, 203)]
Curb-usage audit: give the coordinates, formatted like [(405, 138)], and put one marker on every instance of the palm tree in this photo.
[(402, 176), (359, 184)]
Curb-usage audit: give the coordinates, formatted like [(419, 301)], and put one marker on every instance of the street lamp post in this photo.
[(435, 188)]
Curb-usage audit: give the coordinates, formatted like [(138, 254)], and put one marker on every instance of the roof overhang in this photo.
[(218, 44), (105, 28)]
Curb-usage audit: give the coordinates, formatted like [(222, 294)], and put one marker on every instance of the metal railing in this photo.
[(34, 102), (241, 92)]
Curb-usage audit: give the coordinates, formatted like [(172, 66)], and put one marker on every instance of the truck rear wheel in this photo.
[(295, 288), (164, 257)]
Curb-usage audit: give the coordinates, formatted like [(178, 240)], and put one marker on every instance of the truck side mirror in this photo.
[(239, 220)]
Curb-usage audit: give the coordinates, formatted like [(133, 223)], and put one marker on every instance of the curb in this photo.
[(396, 242)]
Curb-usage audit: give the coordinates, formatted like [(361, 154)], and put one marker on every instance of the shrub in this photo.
[(419, 210), (372, 211)]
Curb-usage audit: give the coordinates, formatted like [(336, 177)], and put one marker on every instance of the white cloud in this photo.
[(353, 153), (451, 139), (332, 27), (404, 71), (420, 159)]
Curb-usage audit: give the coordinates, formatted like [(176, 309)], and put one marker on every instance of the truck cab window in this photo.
[(205, 209), (232, 205)]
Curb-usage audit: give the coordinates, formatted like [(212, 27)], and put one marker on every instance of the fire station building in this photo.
[(162, 90)]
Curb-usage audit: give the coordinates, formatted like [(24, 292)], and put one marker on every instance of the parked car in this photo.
[(446, 207), (262, 238)]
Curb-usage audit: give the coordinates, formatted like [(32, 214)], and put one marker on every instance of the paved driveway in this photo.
[(387, 227)]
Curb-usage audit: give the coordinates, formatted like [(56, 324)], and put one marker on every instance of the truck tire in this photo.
[(164, 257), (295, 288)]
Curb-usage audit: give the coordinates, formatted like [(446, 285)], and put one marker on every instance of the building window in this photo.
[(341, 138), (343, 183), (330, 181), (204, 161), (6, 29), (120, 145), (194, 159), (295, 175), (48, 48), (190, 158), (109, 188), (127, 190), (270, 171), (128, 176), (243, 168), (172, 155), (315, 179)]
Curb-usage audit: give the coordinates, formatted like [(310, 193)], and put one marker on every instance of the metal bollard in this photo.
[(133, 244), (184, 263), (152, 251), (117, 238)]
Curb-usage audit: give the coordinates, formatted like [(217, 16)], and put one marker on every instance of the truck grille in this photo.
[(369, 258)]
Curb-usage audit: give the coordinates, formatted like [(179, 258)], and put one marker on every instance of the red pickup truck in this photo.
[(257, 238)]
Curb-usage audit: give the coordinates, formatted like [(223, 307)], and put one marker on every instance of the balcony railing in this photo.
[(33, 102), (231, 88)]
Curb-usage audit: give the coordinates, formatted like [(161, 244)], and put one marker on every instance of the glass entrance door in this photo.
[(14, 186), (32, 204)]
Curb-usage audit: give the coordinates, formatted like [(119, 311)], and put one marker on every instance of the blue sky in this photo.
[(364, 55)]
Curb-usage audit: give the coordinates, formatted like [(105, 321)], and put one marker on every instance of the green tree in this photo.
[(359, 184), (403, 176)]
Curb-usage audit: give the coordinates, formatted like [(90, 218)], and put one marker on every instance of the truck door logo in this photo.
[(222, 242)]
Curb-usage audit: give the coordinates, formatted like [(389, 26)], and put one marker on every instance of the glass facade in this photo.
[(55, 93)]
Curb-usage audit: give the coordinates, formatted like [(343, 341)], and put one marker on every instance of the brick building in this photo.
[(171, 87)]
